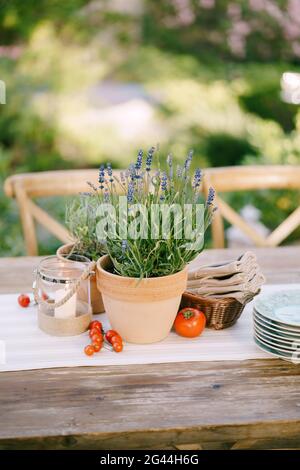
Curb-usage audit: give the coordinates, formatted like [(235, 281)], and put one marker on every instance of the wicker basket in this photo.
[(220, 313)]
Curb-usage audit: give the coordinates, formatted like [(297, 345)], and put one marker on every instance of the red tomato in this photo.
[(97, 339), (109, 335), (95, 331), (118, 347), (189, 322), (116, 339), (95, 324), (23, 300), (89, 350), (97, 347)]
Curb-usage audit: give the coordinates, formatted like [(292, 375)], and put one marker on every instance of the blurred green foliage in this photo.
[(184, 73)]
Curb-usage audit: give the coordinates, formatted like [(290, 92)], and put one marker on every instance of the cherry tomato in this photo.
[(189, 322), (23, 300), (95, 331), (97, 347), (110, 334), (118, 347), (97, 339), (89, 350), (95, 324), (116, 339)]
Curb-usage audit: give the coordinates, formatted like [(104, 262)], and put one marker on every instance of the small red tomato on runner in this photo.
[(110, 334), (95, 331), (95, 324), (118, 347), (23, 300), (89, 350), (97, 339), (190, 322), (116, 339), (97, 347)]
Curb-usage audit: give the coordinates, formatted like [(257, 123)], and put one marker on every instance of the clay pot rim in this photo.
[(63, 248), (137, 279)]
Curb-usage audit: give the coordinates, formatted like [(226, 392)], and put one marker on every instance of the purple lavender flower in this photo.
[(139, 160), (188, 161), (101, 177), (149, 158), (130, 192), (210, 197), (109, 172), (197, 178), (132, 171), (164, 181), (179, 171), (163, 185)]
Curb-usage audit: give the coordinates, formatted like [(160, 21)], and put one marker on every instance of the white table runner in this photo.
[(23, 346)]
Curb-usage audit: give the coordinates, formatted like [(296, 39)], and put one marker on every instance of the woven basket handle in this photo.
[(85, 274)]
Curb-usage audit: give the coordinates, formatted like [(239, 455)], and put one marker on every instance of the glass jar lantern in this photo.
[(62, 292)]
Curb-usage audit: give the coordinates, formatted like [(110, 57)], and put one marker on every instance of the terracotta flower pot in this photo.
[(142, 311), (96, 298)]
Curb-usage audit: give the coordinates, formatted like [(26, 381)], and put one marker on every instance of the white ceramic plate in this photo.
[(280, 347), (288, 357), (283, 307), (277, 326), (278, 339)]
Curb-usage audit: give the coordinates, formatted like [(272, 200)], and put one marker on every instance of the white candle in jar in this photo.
[(68, 309)]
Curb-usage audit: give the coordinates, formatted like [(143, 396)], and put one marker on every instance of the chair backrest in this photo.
[(249, 178), (26, 186)]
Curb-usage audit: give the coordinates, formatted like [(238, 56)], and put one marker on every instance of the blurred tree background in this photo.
[(94, 80)]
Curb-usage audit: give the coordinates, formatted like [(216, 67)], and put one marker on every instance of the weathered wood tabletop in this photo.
[(205, 405)]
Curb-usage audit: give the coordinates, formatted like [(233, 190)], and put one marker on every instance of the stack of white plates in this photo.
[(276, 320)]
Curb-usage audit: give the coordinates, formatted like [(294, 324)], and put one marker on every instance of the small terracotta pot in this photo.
[(96, 298), (142, 311)]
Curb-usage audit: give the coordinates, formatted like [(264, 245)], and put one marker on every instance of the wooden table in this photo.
[(205, 405)]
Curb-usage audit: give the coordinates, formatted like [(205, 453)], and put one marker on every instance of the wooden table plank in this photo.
[(213, 405)]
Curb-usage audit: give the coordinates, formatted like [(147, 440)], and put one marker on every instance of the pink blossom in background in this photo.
[(257, 5), (237, 44), (207, 4), (12, 52), (274, 11), (291, 30), (237, 37), (185, 13), (270, 18), (294, 10), (234, 11)]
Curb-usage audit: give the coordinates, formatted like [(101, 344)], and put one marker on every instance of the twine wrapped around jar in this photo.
[(53, 305)]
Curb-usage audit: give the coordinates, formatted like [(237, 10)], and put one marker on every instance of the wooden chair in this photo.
[(24, 187), (249, 178)]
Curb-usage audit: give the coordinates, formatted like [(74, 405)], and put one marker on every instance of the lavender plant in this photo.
[(154, 253)]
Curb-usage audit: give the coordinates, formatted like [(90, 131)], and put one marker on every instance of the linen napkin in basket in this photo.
[(244, 262), (240, 279)]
